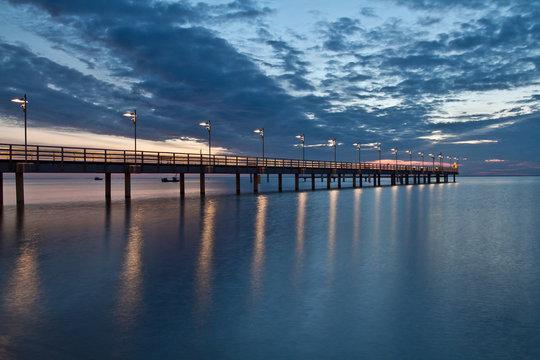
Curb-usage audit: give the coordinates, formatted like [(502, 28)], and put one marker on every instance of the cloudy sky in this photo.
[(459, 77)]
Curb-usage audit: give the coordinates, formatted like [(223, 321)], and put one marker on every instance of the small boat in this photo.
[(173, 179), (98, 178)]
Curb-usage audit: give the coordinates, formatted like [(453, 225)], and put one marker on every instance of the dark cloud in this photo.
[(379, 85), (336, 33)]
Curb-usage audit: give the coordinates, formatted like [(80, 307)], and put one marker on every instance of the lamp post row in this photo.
[(332, 142)]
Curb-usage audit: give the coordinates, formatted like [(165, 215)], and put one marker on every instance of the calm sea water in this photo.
[(448, 271)]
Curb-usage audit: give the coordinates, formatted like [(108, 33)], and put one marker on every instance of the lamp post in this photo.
[(208, 127), (333, 142), (261, 132), (432, 158), (380, 162), (133, 116), (450, 158), (24, 101), (457, 162), (422, 155), (301, 137), (358, 146), (410, 157), (441, 157), (395, 152)]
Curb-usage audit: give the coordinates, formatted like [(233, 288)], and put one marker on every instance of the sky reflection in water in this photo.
[(434, 271)]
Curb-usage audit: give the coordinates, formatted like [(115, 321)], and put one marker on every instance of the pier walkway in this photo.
[(19, 159)]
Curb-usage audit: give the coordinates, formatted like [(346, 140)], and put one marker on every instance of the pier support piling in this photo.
[(312, 181), (202, 184), (19, 187), (255, 183), (2, 188), (108, 186), (339, 181), (280, 182), (127, 185), (353, 180), (182, 185), (328, 179), (237, 183), (296, 186)]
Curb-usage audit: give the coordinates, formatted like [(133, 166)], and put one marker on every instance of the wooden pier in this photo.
[(51, 159)]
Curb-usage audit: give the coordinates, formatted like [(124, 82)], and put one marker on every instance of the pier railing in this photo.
[(39, 153)]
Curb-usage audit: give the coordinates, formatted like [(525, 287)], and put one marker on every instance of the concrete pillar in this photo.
[(182, 185), (280, 182), (360, 180), (312, 181), (374, 180), (296, 187), (202, 184), (19, 187), (438, 177), (2, 188), (250, 178), (454, 177), (353, 180), (328, 179), (393, 179), (108, 186), (255, 183), (339, 181), (407, 179), (237, 183)]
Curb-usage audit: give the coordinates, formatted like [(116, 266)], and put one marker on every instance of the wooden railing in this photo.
[(38, 153)]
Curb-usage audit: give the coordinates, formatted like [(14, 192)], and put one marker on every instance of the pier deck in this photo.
[(52, 159)]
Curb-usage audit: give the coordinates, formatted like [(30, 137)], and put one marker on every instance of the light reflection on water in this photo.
[(131, 277), (257, 264), (429, 271)]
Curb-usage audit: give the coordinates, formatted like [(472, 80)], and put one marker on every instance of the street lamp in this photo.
[(358, 146), (422, 155), (378, 147), (450, 158), (432, 158), (208, 127), (261, 132), (133, 116), (457, 162), (23, 101), (441, 157), (333, 142), (395, 152), (410, 157), (301, 137)]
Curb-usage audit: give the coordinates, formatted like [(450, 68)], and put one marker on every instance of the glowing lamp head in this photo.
[(206, 125), (132, 115), (23, 101), (259, 131)]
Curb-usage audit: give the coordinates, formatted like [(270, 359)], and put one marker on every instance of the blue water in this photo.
[(441, 271)]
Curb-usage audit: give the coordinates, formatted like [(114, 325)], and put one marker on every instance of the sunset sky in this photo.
[(459, 77)]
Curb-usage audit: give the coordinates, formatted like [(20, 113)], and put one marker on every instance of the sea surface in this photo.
[(440, 271)]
